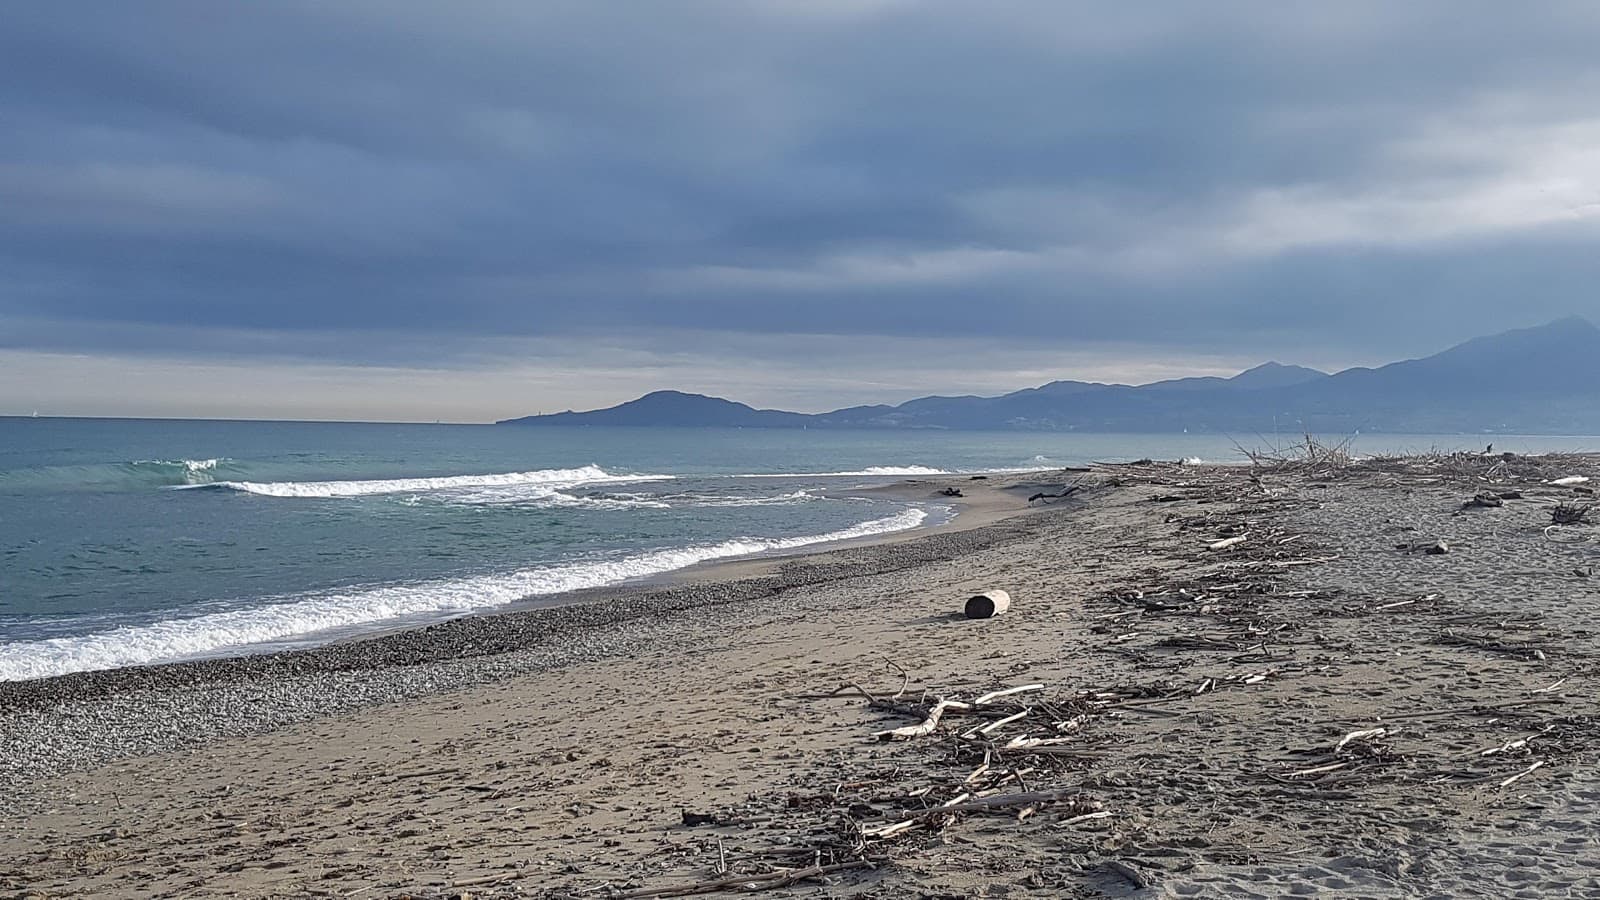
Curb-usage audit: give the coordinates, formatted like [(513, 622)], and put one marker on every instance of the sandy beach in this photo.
[(1214, 681)]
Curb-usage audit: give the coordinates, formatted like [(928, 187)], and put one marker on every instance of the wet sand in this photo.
[(1199, 699)]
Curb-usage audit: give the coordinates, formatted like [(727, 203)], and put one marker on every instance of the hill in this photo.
[(673, 408)]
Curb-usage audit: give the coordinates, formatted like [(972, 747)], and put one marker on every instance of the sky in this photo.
[(395, 210)]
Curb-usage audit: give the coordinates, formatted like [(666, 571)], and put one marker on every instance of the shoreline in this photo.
[(547, 620), (969, 512), (1179, 668)]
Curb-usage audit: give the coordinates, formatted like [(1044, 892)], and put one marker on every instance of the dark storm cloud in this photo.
[(1251, 176)]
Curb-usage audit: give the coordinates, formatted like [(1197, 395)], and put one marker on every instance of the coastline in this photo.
[(533, 635), (986, 504), (941, 513), (542, 761)]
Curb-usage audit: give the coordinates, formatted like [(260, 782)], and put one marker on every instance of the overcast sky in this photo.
[(474, 210)]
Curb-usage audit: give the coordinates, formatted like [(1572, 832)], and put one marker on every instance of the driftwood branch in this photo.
[(746, 883)]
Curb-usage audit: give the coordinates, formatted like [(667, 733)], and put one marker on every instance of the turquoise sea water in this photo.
[(125, 542)]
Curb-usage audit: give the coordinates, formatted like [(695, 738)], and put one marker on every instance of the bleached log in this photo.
[(1028, 743), (1006, 692), (1317, 770), (988, 604), (1086, 817), (926, 726), (998, 723), (1521, 775), (1365, 734)]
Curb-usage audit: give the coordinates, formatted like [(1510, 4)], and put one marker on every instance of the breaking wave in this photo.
[(218, 632), (545, 496), (538, 479)]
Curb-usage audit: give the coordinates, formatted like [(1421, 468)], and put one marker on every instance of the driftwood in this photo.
[(1027, 801), (1523, 774), (970, 757), (1431, 548), (1570, 513), (988, 604), (925, 727), (1366, 734), (1003, 801), (747, 883), (1067, 491)]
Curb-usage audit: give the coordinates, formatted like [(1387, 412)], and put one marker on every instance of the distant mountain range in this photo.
[(1534, 380)]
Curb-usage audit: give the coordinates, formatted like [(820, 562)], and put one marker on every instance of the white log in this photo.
[(923, 728), (1365, 734), (1006, 692), (988, 604)]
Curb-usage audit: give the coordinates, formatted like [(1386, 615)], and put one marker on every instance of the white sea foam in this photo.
[(544, 495), (779, 500), (896, 471), (549, 478), (217, 632), (858, 473)]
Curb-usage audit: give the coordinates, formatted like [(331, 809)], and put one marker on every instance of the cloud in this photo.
[(413, 185)]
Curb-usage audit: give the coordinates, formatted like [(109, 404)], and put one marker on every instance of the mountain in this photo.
[(673, 408), (1266, 375), (1543, 379)]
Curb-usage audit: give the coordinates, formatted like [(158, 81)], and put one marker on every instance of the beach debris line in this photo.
[(987, 604)]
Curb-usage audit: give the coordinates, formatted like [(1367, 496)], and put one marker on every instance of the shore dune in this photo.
[(1212, 681)]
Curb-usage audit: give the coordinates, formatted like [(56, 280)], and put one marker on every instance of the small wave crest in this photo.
[(134, 475), (540, 478), (217, 632), (184, 471)]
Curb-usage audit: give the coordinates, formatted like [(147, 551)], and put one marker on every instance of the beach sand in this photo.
[(715, 727)]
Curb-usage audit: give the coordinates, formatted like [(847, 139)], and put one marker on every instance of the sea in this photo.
[(129, 542)]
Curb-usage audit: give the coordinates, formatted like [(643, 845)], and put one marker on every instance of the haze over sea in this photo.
[(125, 542)]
